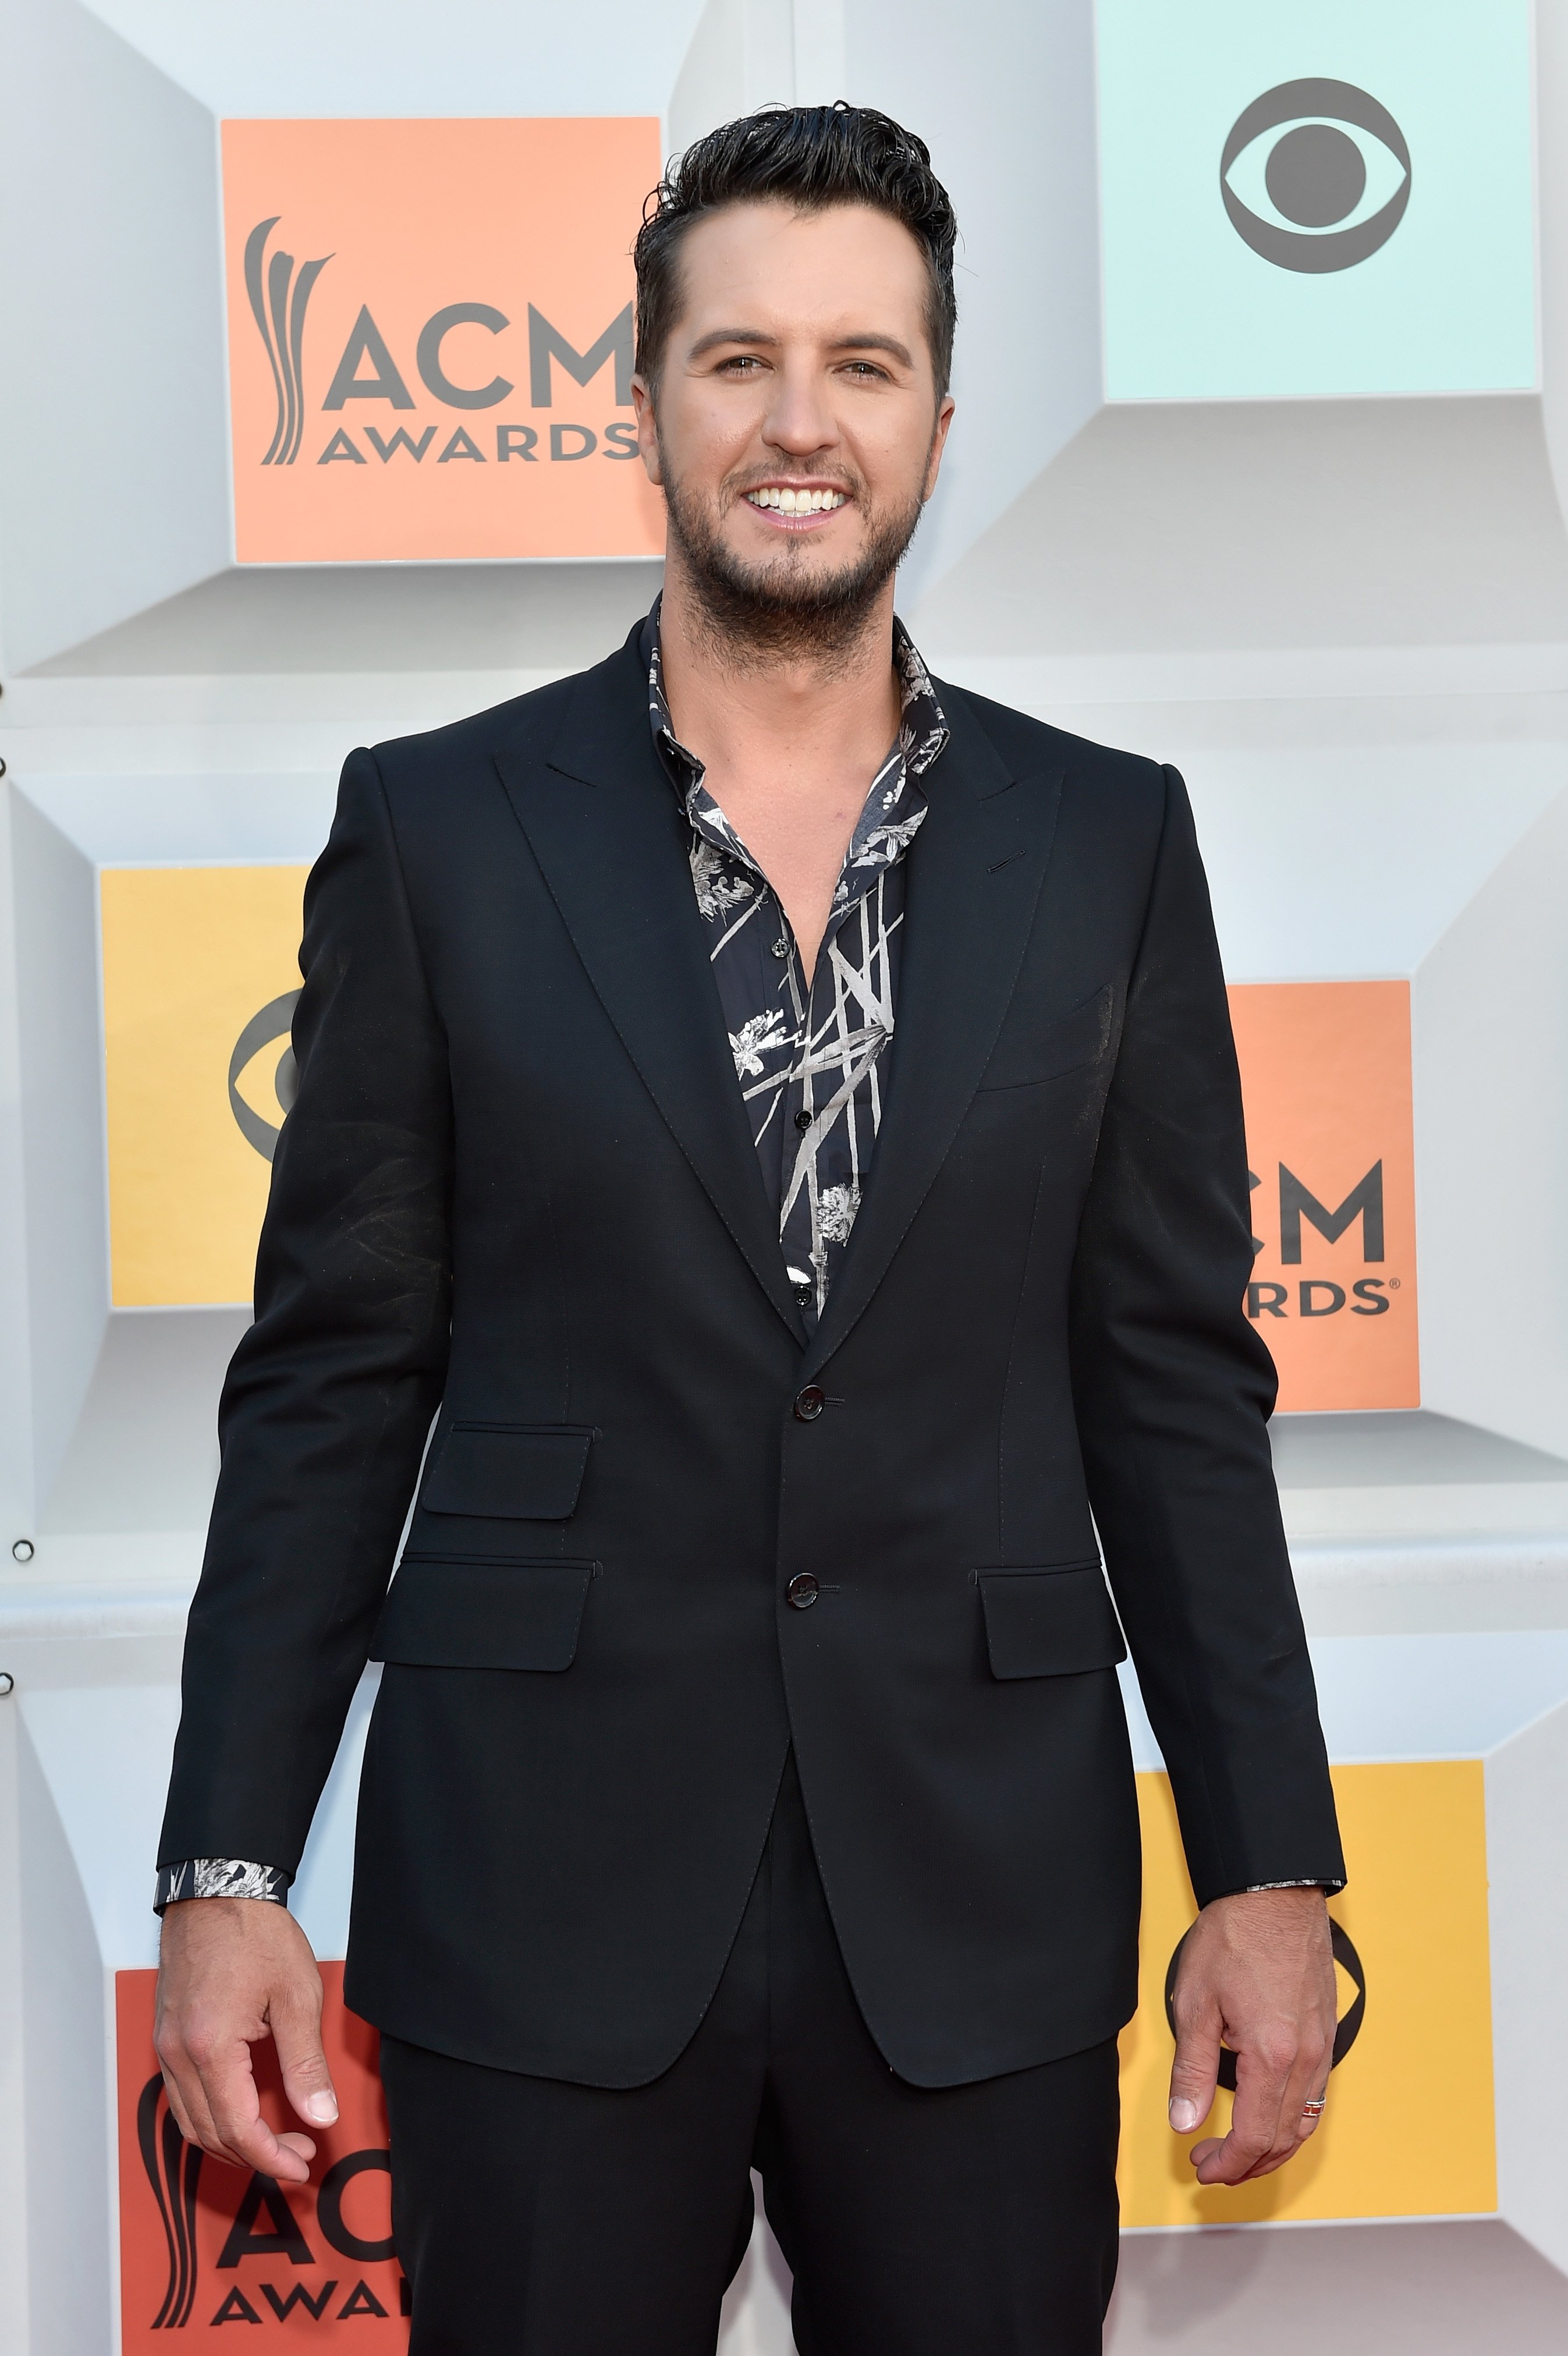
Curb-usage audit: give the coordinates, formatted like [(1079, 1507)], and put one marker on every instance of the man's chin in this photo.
[(798, 578)]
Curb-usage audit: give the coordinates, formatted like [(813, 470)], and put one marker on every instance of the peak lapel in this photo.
[(974, 873), (607, 832)]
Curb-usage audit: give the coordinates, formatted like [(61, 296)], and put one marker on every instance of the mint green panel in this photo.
[(1330, 268)]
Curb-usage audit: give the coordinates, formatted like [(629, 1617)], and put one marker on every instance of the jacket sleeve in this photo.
[(330, 1398), (1173, 1389)]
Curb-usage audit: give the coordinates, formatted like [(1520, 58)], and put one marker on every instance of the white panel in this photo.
[(66, 2130), (144, 1452), (1310, 852), (103, 1752), (16, 1370), (114, 489), (1222, 527), (1005, 100), (1437, 1696), (821, 70), (1489, 1011), (13, 2300), (1527, 1859), (478, 57), (756, 2320), (62, 1108), (151, 821)]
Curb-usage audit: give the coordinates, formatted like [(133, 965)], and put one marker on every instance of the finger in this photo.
[(187, 2100), (295, 2017), (1308, 2076), (1195, 2073), (180, 2108), (230, 2085), (1263, 2068)]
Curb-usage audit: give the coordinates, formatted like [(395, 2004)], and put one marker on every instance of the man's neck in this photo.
[(791, 718), (789, 746)]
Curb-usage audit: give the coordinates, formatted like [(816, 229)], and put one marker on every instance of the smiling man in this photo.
[(774, 1115)]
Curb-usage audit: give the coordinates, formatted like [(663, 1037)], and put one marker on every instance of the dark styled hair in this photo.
[(812, 157)]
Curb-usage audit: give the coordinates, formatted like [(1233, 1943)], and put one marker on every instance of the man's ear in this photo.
[(647, 428), (938, 444)]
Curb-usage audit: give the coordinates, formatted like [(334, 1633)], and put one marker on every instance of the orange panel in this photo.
[(1325, 1080), (203, 2244), (398, 294)]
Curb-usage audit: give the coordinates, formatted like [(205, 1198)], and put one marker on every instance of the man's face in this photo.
[(797, 429)]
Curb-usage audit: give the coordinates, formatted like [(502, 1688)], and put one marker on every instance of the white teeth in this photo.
[(791, 502)]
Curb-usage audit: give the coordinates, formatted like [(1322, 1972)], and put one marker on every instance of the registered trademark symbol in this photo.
[(1393, 1284)]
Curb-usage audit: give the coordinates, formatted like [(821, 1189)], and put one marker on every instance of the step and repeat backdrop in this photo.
[(422, 358)]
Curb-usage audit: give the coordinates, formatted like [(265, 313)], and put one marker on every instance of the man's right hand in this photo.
[(232, 1972)]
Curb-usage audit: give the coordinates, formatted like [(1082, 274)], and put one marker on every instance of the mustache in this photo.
[(823, 479)]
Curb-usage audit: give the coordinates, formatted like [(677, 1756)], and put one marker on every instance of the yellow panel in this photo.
[(1409, 2129), (190, 955)]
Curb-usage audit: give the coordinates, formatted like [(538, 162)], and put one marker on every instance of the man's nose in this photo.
[(800, 419)]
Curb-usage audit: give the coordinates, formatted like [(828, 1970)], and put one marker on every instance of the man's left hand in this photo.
[(1256, 1974)]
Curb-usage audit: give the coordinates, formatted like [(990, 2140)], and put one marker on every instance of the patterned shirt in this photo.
[(811, 1059), (812, 1055)]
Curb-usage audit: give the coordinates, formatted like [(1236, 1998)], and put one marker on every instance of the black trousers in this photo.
[(537, 2218)]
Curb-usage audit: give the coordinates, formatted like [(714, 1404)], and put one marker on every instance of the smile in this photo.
[(779, 500)]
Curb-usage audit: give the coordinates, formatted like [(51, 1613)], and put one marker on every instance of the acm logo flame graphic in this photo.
[(174, 2172), (278, 303)]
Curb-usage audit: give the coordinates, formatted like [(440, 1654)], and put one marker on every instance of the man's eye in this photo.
[(864, 368), (747, 360)]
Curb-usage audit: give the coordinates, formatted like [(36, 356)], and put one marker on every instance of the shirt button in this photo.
[(781, 950), (808, 1405), (805, 1294), (803, 1591), (804, 1120)]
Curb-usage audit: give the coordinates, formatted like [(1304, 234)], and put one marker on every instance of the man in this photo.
[(777, 1115)]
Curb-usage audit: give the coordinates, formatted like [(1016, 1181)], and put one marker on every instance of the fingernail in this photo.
[(1183, 2114), (321, 2109)]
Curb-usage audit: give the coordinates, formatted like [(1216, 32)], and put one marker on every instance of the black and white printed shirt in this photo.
[(811, 1055), (812, 1052)]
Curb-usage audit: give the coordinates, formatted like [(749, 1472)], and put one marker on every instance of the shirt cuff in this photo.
[(220, 1877), (1308, 1881)]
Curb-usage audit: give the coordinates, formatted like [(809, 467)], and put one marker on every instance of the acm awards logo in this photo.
[(366, 369), (265, 2226), (1319, 1296), (1316, 176)]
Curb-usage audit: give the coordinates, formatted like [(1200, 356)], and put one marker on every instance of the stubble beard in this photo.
[(785, 608)]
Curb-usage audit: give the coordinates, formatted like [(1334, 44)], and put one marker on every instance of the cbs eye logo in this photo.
[(1314, 175), (263, 1030)]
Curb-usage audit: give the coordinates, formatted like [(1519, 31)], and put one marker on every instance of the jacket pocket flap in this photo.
[(1049, 1623), (1024, 1058), (508, 1471), (444, 1612)]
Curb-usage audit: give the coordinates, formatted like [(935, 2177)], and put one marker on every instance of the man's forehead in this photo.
[(838, 256)]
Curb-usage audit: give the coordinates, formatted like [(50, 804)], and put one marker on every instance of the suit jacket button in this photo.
[(803, 1591), (808, 1405)]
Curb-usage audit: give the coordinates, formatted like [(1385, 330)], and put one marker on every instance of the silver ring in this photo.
[(1314, 2110)]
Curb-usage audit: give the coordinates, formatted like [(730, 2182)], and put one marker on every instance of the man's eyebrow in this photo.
[(717, 336), (869, 342), (873, 343)]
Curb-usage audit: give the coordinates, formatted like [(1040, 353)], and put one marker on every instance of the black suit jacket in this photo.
[(517, 1192)]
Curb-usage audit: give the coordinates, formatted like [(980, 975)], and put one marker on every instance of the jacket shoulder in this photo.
[(1029, 747)]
